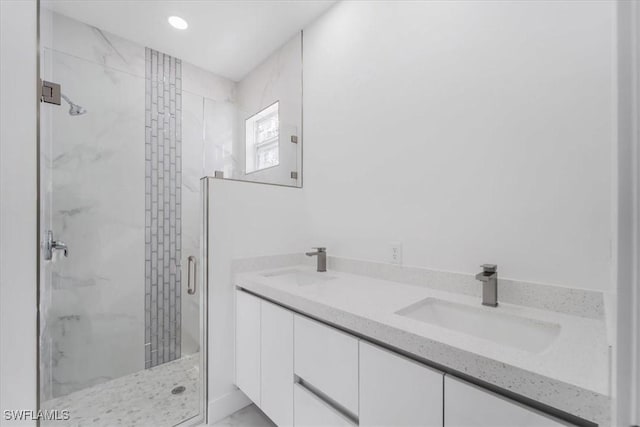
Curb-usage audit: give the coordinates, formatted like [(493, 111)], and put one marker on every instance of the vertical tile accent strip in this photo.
[(163, 204)]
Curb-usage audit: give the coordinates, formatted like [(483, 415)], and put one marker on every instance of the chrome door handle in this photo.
[(51, 245), (191, 261)]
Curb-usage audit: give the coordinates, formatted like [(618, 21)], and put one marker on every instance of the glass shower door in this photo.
[(121, 298)]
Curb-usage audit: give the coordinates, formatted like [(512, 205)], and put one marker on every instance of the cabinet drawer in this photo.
[(469, 405), (313, 411), (396, 391), (327, 359)]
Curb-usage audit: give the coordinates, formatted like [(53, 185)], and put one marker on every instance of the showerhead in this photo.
[(74, 109)]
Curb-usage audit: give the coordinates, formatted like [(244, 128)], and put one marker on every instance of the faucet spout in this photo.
[(489, 279), (485, 277), (321, 253)]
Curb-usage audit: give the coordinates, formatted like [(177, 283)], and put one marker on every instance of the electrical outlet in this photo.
[(395, 253)]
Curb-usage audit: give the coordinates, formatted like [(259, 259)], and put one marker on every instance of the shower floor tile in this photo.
[(139, 400)]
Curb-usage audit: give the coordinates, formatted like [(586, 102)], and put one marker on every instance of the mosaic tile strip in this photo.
[(163, 199)]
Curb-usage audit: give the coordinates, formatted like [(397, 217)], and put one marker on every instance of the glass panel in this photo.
[(121, 332), (254, 133)]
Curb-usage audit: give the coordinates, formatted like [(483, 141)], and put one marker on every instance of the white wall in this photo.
[(245, 220), (471, 132), (18, 50)]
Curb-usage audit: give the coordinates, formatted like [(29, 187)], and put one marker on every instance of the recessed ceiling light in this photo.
[(177, 22)]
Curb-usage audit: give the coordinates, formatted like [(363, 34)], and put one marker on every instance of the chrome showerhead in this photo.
[(74, 109)]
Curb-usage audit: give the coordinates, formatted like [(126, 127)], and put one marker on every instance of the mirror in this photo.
[(256, 134)]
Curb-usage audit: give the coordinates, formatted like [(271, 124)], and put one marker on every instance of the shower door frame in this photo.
[(203, 270)]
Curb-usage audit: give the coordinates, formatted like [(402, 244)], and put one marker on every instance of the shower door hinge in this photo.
[(294, 139), (294, 175), (50, 93)]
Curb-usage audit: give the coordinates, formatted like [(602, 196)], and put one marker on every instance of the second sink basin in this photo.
[(487, 323), (298, 277)]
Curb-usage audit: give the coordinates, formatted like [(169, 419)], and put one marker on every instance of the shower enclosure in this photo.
[(122, 300), (127, 132)]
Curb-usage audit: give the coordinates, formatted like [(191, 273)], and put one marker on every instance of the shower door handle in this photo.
[(191, 266)]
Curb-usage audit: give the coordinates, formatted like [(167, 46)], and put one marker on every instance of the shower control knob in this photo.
[(51, 245)]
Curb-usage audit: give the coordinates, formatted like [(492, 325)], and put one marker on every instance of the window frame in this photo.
[(255, 146)]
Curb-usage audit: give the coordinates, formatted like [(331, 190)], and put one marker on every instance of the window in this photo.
[(262, 139)]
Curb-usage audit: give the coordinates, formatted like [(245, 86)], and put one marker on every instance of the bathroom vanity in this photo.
[(336, 348)]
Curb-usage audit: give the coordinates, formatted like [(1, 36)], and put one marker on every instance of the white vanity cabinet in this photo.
[(471, 406), (264, 356), (396, 391), (277, 364), (248, 320), (302, 373), (326, 359)]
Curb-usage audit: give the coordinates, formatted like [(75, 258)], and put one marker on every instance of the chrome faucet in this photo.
[(489, 279), (51, 245), (322, 258)]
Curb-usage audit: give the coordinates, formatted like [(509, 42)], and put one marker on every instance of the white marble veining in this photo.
[(206, 84), (277, 78), (192, 153), (82, 41), (95, 315), (571, 375), (221, 131), (140, 400), (226, 103), (94, 164)]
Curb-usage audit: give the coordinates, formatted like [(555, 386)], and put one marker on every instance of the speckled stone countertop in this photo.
[(571, 374)]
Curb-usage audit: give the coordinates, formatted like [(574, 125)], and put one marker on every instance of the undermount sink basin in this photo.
[(299, 277), (487, 323)]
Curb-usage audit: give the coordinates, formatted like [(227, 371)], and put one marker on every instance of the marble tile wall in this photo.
[(93, 302), (93, 319), (277, 78), (191, 221), (200, 140)]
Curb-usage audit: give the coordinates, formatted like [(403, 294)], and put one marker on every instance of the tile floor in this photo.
[(250, 416), (138, 400)]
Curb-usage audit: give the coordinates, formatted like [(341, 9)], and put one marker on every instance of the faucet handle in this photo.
[(319, 248), (489, 268)]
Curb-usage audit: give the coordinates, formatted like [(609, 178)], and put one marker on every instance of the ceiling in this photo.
[(227, 37)]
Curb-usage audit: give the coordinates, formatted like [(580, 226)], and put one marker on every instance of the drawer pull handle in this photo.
[(304, 385)]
